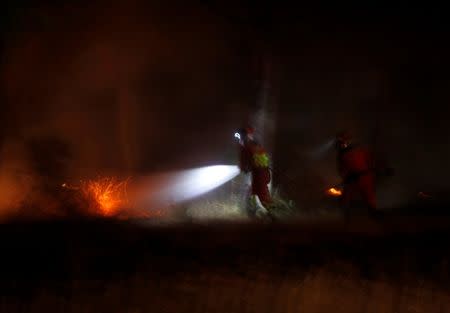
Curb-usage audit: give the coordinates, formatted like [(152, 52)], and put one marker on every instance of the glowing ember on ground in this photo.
[(108, 195), (334, 192)]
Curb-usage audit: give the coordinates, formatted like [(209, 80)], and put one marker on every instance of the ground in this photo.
[(395, 264)]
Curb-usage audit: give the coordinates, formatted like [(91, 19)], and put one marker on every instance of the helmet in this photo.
[(245, 133), (343, 139), (249, 130)]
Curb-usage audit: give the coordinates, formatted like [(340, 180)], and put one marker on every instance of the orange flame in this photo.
[(334, 192), (107, 195)]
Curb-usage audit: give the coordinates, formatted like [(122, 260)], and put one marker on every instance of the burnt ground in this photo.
[(391, 264)]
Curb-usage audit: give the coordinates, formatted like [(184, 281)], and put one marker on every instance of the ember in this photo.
[(334, 192), (107, 195)]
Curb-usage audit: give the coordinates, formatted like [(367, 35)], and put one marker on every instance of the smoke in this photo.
[(131, 87), (393, 107), (321, 150), (120, 87), (30, 176), (15, 179), (171, 188)]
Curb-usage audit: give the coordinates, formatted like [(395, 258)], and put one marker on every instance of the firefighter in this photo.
[(356, 166), (255, 160)]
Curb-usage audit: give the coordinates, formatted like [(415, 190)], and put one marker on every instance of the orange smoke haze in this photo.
[(117, 85)]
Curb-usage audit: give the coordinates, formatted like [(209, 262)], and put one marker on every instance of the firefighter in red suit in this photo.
[(255, 160), (356, 166)]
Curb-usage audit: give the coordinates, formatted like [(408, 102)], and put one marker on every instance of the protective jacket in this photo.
[(254, 159), (356, 166)]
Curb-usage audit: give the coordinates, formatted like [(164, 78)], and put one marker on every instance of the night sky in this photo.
[(136, 87)]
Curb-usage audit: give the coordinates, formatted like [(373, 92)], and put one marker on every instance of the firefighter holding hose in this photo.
[(255, 160)]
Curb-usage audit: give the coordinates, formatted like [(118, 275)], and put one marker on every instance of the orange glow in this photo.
[(334, 192), (107, 195)]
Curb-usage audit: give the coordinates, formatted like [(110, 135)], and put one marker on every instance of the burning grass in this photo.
[(106, 195), (109, 197), (335, 192)]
